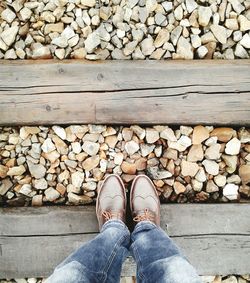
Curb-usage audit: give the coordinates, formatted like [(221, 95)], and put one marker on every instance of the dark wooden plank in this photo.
[(215, 238), (172, 92)]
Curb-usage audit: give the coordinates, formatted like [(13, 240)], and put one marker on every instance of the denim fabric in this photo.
[(100, 260), (158, 259)]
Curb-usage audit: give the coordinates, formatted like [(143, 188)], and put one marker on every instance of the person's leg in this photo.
[(158, 258), (100, 260)]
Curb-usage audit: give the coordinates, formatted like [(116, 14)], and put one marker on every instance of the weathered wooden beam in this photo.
[(215, 237), (125, 92)]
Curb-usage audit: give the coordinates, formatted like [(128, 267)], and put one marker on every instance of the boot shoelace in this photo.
[(109, 215), (146, 215)]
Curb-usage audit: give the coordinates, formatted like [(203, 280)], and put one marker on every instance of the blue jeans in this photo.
[(158, 259)]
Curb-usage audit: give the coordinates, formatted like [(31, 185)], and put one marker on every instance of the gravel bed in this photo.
[(124, 29), (56, 165), (205, 279)]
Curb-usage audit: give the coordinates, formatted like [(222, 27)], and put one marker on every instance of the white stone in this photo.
[(245, 41), (237, 6), (202, 51), (76, 147), (191, 5), (220, 33), (88, 3), (40, 184), (220, 180), (195, 40), (168, 134), (230, 191), (131, 147), (204, 15), (92, 41), (147, 46), (167, 5), (211, 167), (68, 33), (77, 179), (118, 158), (241, 52), (60, 132), (91, 148), (25, 14), (184, 49), (178, 13), (244, 23), (9, 35), (233, 147), (51, 194), (8, 15), (25, 189), (48, 145)]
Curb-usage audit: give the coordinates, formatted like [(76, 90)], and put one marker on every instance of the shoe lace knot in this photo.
[(145, 216), (111, 214)]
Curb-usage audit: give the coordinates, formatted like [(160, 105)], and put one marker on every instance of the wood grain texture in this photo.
[(215, 238), (125, 92)]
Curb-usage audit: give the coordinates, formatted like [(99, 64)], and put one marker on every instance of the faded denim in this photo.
[(158, 259)]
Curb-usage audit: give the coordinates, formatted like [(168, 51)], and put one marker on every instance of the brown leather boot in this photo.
[(144, 200), (111, 200)]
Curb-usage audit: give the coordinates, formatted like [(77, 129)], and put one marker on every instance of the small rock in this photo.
[(140, 132), (201, 176), (16, 171), (189, 168), (40, 184), (60, 132), (118, 158), (77, 179), (231, 162), (91, 163), (184, 49), (244, 135), (234, 179), (220, 180), (51, 194), (211, 187), (8, 15), (88, 3), (168, 134), (195, 153), (230, 191), (147, 46), (25, 14), (36, 170), (76, 199), (244, 172), (3, 171), (200, 134), (157, 174), (245, 41), (91, 148), (223, 134), (9, 35), (211, 167), (213, 152), (244, 23), (127, 134), (151, 135), (131, 147), (128, 168), (92, 41), (241, 52), (41, 52), (48, 145), (111, 141), (220, 33), (5, 185), (233, 147), (179, 188), (25, 190), (146, 149), (191, 5), (37, 200), (204, 15)]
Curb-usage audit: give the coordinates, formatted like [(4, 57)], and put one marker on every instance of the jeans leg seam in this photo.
[(111, 258), (140, 274)]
